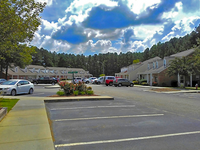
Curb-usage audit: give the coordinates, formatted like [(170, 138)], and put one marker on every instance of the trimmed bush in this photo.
[(67, 87), (143, 80), (90, 92), (82, 93), (76, 93), (135, 82), (89, 88), (60, 93), (144, 83)]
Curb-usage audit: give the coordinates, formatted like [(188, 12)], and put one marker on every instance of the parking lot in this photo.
[(120, 124)]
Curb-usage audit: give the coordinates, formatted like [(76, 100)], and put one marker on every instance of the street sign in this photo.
[(73, 72)]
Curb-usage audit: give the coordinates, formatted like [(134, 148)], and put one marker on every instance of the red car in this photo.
[(109, 80)]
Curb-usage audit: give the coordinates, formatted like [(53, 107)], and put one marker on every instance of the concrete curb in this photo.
[(3, 113), (71, 99)]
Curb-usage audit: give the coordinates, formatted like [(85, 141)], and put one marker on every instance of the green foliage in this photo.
[(101, 75), (67, 87), (76, 89), (142, 80), (76, 93), (82, 93), (136, 61), (19, 19), (135, 82), (60, 93), (89, 88), (144, 83), (80, 87), (90, 92)]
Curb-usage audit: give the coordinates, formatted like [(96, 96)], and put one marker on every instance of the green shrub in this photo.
[(135, 82), (82, 93), (142, 80), (67, 87), (81, 87), (90, 92), (144, 83), (89, 88), (76, 93), (60, 93)]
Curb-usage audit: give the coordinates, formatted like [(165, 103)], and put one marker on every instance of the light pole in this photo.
[(102, 65)]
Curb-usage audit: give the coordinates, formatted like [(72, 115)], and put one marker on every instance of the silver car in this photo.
[(16, 86)]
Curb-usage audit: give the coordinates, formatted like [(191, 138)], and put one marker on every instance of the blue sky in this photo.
[(99, 26)]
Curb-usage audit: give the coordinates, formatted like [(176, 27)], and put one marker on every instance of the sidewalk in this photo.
[(26, 126)]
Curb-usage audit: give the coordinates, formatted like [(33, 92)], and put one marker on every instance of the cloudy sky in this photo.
[(99, 26)]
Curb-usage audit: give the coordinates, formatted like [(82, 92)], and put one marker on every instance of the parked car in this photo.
[(89, 80), (2, 80), (16, 86), (45, 80), (109, 80), (122, 82), (100, 80), (77, 79)]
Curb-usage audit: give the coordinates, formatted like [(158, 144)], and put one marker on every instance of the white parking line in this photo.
[(95, 107), (110, 117), (129, 139)]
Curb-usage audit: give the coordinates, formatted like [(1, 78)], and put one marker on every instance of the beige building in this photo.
[(154, 71), (35, 71)]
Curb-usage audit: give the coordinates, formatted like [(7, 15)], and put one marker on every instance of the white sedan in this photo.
[(16, 86)]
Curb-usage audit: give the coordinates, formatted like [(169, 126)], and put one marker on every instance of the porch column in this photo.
[(178, 80), (151, 79), (148, 78), (191, 80)]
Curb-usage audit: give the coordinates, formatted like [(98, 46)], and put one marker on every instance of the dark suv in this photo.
[(122, 82)]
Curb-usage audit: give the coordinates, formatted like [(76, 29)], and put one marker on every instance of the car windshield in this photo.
[(9, 83)]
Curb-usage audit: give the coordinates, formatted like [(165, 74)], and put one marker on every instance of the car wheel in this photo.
[(106, 84), (87, 82), (31, 91), (120, 85), (110, 83), (13, 92), (131, 85)]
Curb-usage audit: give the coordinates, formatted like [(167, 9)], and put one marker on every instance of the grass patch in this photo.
[(9, 103), (192, 88)]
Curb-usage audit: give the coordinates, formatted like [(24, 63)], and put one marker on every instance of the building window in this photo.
[(153, 65), (164, 62), (148, 67), (156, 64)]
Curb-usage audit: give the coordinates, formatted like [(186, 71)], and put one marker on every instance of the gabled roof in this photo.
[(184, 53)]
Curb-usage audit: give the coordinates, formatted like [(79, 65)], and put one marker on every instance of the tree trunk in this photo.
[(1, 71), (6, 71)]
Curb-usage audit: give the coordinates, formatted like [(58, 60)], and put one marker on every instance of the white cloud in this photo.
[(80, 8), (146, 31), (139, 6), (49, 25)]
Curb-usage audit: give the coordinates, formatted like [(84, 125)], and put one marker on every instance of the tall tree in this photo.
[(19, 20)]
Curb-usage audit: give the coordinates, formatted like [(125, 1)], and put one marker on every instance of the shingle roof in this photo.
[(184, 53)]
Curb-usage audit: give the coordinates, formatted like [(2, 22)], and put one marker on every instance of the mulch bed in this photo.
[(164, 89)]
